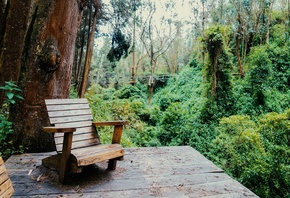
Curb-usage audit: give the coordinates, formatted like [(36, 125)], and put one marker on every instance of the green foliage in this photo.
[(257, 153), (238, 123), (73, 92), (12, 93), (260, 70), (218, 90), (280, 58), (128, 91), (120, 46), (278, 34), (173, 124), (237, 144)]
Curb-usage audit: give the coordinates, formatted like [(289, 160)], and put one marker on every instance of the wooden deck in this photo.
[(145, 172)]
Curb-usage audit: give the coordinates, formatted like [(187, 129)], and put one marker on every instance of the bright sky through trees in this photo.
[(181, 10)]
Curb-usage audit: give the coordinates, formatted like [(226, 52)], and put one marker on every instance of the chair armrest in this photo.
[(111, 123), (118, 128), (58, 129)]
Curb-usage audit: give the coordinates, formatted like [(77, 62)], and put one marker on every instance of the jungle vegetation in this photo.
[(217, 80), (228, 97)]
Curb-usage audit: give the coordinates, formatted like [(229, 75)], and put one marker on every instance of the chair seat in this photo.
[(76, 138), (97, 153)]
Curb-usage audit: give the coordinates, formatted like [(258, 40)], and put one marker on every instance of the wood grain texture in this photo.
[(72, 113), (6, 188), (58, 129), (111, 123), (145, 172), (79, 143)]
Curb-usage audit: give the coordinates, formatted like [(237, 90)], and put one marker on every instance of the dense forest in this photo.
[(216, 79)]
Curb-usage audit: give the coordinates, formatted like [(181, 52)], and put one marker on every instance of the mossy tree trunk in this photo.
[(37, 51)]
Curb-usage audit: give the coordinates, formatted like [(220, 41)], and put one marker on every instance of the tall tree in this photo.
[(133, 82), (89, 52), (157, 36), (37, 48), (80, 45)]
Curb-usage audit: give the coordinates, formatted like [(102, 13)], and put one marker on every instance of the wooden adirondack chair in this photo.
[(76, 138), (6, 188)]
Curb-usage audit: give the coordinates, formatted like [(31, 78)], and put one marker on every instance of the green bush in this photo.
[(12, 93), (256, 153)]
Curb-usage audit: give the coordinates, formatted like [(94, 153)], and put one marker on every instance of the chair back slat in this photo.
[(72, 113)]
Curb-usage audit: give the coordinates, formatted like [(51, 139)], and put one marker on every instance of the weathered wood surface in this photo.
[(6, 188), (76, 138), (145, 172)]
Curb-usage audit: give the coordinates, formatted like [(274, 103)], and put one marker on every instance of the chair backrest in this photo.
[(6, 188), (72, 113)]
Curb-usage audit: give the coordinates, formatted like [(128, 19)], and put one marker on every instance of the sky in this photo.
[(182, 8)]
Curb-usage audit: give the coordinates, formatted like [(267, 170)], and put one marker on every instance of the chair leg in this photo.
[(65, 158), (112, 164), (63, 175)]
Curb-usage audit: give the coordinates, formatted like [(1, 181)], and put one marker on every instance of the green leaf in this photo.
[(4, 88), (20, 97), (10, 95)]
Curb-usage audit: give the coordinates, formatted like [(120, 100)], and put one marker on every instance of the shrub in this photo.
[(12, 93), (257, 154)]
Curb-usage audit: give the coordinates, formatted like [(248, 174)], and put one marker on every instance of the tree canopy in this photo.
[(214, 75)]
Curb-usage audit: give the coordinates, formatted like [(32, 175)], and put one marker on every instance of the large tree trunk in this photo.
[(38, 54)]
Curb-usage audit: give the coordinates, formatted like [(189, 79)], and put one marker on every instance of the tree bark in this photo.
[(133, 82), (79, 62), (38, 55), (89, 54), (239, 31)]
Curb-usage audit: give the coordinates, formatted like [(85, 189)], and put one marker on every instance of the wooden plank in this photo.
[(79, 137), (75, 124), (8, 193), (1, 161), (78, 144), (65, 101), (2, 169), (58, 129), (111, 123), (116, 139), (116, 153), (53, 114), (98, 149), (5, 185), (80, 131), (6, 188), (82, 144), (71, 119), (145, 172), (3, 177), (66, 107), (64, 161)]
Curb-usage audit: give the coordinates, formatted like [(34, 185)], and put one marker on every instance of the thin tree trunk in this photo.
[(268, 22), (133, 53), (100, 68), (288, 24), (79, 63), (2, 19), (88, 60), (237, 47)]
